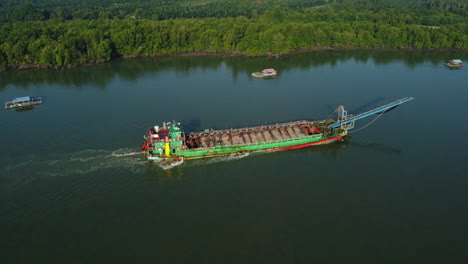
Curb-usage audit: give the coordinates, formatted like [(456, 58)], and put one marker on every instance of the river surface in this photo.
[(74, 188)]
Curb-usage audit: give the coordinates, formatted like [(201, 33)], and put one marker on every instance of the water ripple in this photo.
[(81, 162)]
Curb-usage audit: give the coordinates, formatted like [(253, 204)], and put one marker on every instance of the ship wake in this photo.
[(167, 165), (81, 162), (170, 164), (219, 159)]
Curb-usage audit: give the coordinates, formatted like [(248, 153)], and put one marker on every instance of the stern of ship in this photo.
[(164, 143)]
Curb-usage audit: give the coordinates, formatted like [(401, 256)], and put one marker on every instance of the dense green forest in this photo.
[(32, 10), (56, 33)]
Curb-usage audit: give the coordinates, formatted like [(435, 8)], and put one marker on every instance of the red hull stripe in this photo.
[(324, 141)]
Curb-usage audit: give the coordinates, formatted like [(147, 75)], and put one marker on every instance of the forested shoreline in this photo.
[(346, 24)]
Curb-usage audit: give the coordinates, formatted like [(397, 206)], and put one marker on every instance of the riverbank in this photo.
[(226, 54)]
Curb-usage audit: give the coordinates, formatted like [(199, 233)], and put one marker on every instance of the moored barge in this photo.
[(455, 63), (171, 142), (265, 73), (23, 102)]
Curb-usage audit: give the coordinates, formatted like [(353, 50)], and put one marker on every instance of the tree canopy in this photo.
[(58, 38)]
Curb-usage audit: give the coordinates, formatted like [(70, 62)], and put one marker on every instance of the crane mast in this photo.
[(346, 121)]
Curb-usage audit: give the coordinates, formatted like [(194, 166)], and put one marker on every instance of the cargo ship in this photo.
[(169, 142)]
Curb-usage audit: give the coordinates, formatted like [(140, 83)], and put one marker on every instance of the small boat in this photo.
[(23, 102), (455, 63), (265, 73)]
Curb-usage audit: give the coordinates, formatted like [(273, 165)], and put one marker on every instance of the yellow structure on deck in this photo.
[(167, 149)]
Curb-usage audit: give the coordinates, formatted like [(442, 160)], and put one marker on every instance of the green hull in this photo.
[(228, 150)]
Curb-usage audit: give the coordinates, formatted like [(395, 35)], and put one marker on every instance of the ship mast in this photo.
[(346, 121)]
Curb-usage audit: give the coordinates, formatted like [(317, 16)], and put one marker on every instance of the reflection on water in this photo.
[(357, 109), (373, 103), (131, 69), (174, 171), (454, 68), (379, 147), (333, 150), (25, 108)]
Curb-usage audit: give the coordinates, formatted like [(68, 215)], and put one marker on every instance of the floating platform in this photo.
[(265, 73), (455, 63), (24, 102)]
